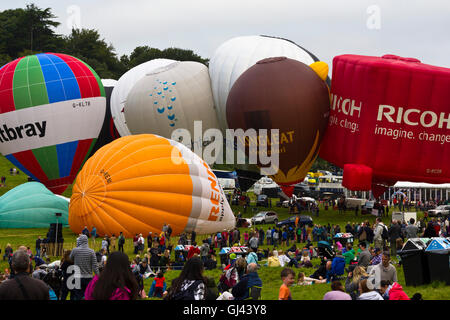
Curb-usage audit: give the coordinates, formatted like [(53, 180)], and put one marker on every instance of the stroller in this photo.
[(325, 250)]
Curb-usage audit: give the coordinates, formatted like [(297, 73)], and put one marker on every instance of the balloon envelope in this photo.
[(123, 88), (32, 205), (285, 94), (388, 121), (171, 98), (237, 55), (51, 110), (108, 132), (138, 183)]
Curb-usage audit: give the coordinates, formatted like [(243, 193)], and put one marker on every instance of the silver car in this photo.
[(265, 217), (440, 211)]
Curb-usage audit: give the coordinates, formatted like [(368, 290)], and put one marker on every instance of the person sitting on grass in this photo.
[(355, 275), (211, 262), (396, 292), (305, 261), (349, 254), (337, 267), (337, 292), (288, 279), (366, 293), (321, 271), (376, 257), (249, 286), (302, 280)]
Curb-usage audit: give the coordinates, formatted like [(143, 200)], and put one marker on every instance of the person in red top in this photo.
[(193, 250), (397, 293), (158, 286), (437, 227)]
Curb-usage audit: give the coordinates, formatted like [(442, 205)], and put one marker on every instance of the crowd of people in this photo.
[(362, 272)]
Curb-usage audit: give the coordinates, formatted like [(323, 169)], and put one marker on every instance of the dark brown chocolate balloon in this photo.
[(285, 94)]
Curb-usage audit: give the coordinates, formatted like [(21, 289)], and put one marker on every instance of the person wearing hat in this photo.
[(233, 258)]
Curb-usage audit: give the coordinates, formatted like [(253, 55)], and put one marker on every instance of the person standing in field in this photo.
[(84, 258), (121, 241)]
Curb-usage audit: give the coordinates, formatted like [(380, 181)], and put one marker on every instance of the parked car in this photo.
[(440, 211), (303, 220), (265, 217), (262, 200)]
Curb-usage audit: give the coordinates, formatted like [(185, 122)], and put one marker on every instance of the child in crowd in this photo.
[(302, 280), (158, 286), (288, 278), (305, 260)]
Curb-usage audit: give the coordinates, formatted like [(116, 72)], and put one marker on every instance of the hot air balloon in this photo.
[(32, 205), (138, 183), (108, 132), (389, 121), (237, 55), (171, 98), (52, 107), (285, 94), (124, 86)]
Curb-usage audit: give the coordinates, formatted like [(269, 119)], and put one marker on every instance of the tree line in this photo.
[(31, 30)]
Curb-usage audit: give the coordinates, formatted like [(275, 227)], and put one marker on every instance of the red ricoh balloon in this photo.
[(389, 121)]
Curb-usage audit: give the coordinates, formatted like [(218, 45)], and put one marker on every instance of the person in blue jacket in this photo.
[(244, 288), (337, 267)]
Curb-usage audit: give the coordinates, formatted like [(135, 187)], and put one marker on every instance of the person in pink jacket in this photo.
[(115, 282), (396, 292)]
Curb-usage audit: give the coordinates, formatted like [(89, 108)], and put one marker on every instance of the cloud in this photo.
[(326, 27)]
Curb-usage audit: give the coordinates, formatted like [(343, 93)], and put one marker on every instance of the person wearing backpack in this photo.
[(380, 234), (190, 284)]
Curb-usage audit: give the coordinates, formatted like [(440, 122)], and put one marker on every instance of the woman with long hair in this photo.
[(191, 284), (116, 281), (354, 278), (66, 262)]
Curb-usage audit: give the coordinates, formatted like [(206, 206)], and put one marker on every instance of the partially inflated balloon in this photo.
[(171, 98), (52, 108), (390, 117), (138, 183), (285, 94), (237, 55), (123, 88), (108, 132), (32, 205)]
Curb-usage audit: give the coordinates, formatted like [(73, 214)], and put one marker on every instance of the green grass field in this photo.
[(270, 276)]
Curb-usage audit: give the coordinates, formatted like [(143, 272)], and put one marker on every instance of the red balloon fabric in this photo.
[(390, 114)]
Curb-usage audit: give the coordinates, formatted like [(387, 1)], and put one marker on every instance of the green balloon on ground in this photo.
[(32, 205)]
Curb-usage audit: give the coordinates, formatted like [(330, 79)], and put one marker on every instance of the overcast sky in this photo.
[(327, 28)]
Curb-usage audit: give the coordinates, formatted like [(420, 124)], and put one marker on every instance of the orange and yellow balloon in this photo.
[(138, 183)]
